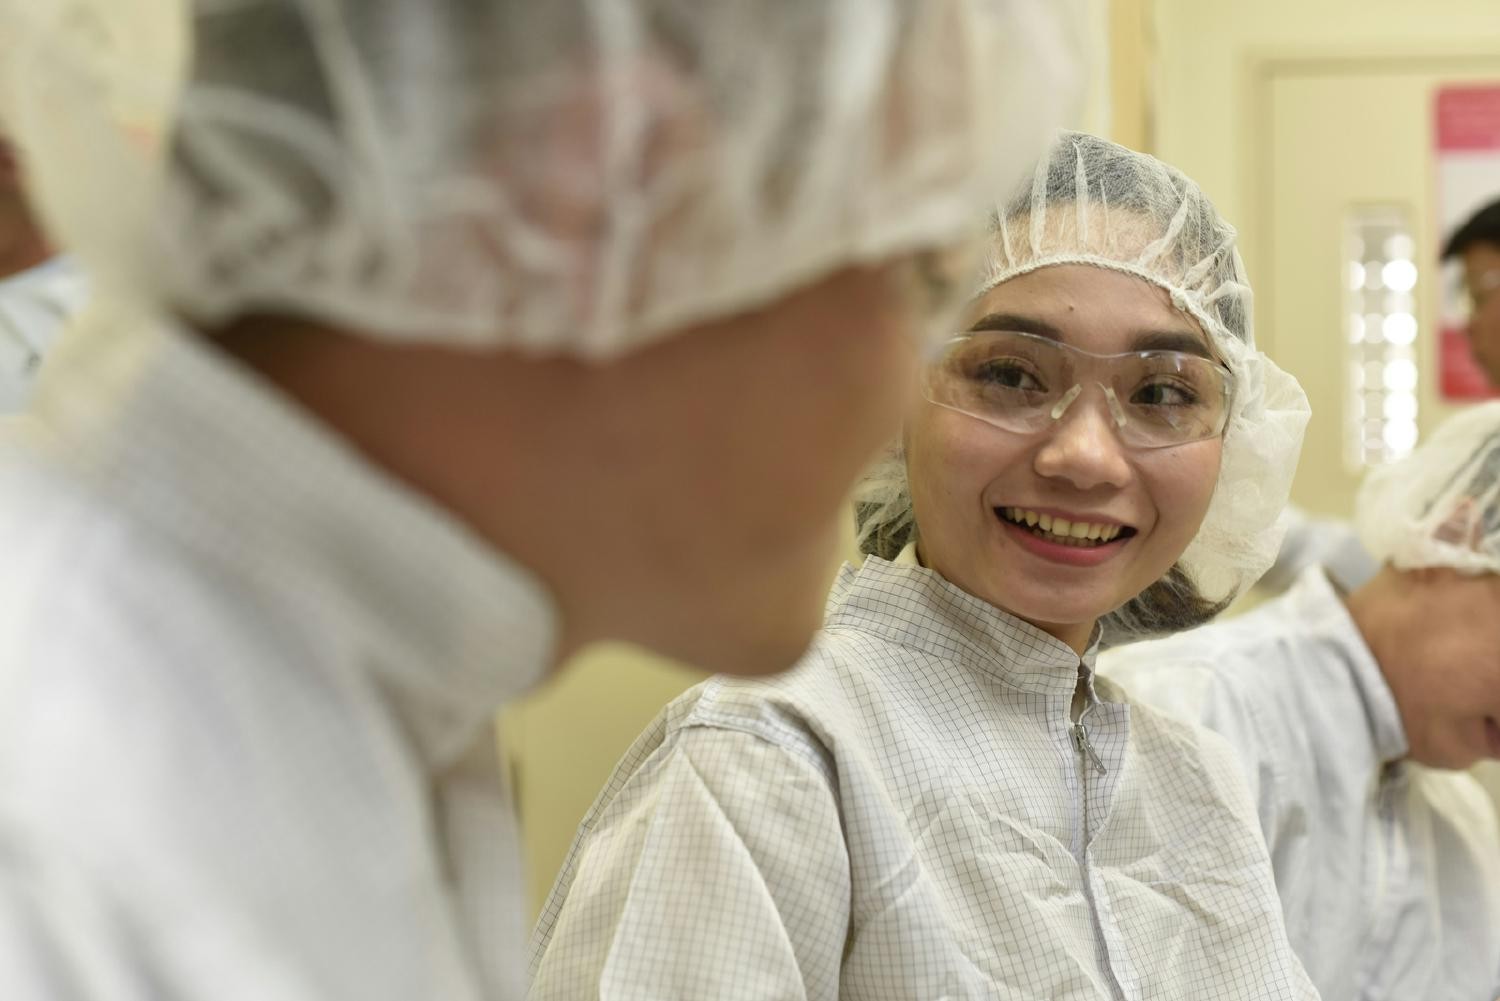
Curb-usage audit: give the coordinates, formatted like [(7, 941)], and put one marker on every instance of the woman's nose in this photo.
[(1083, 447)]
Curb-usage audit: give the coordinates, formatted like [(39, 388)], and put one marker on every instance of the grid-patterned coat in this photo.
[(914, 813)]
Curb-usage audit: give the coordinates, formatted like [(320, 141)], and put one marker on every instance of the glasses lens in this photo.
[(1016, 381), (1483, 291), (1010, 380), (1171, 398)]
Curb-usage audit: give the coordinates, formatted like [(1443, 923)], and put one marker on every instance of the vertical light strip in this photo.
[(1381, 328)]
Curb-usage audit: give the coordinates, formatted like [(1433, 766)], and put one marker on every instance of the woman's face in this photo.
[(971, 482)]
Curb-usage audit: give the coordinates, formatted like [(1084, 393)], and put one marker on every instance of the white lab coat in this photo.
[(35, 306), (247, 686), (908, 814), (1389, 872)]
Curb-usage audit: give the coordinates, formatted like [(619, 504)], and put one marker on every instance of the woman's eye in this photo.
[(1164, 394), (1006, 375)]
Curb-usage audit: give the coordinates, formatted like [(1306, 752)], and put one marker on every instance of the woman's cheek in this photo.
[(1182, 484)]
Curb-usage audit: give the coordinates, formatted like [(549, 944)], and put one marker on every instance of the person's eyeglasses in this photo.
[(1025, 383), (1480, 289)]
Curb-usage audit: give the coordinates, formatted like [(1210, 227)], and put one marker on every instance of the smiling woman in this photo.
[(940, 801), (1085, 424), (1110, 252)]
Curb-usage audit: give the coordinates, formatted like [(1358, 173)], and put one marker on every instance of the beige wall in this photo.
[(1129, 74)]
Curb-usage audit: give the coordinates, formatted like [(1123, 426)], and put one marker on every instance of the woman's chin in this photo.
[(1048, 610)]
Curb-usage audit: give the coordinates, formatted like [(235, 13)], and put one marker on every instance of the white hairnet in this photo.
[(1097, 203), (572, 176), (1440, 506)]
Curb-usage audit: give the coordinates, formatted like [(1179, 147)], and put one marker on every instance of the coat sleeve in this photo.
[(719, 870)]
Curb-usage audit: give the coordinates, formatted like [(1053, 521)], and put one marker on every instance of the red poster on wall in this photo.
[(1467, 133)]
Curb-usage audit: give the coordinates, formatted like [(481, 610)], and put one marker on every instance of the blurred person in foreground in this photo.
[(444, 339)]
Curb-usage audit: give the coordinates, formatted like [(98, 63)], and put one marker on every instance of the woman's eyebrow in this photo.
[(1171, 340), (1018, 323), (1187, 342)]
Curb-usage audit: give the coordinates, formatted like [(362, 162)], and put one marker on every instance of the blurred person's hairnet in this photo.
[(1440, 506), (563, 176), (1096, 203)]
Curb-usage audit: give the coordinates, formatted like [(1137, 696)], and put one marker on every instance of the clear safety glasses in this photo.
[(1025, 383), (1480, 290)]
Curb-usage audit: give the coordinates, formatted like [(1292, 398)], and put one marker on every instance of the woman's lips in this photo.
[(1072, 551)]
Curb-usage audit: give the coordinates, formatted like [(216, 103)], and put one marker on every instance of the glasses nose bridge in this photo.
[(1086, 445), (1112, 405)]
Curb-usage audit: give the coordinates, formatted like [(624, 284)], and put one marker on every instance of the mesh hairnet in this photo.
[(1440, 506), (1096, 203), (573, 176)]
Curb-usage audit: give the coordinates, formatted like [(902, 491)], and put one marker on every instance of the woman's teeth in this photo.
[(1061, 530)]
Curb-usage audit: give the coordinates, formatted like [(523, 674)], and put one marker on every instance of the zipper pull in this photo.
[(1081, 741)]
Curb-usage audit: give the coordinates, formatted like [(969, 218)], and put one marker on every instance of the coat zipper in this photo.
[(1086, 756)]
